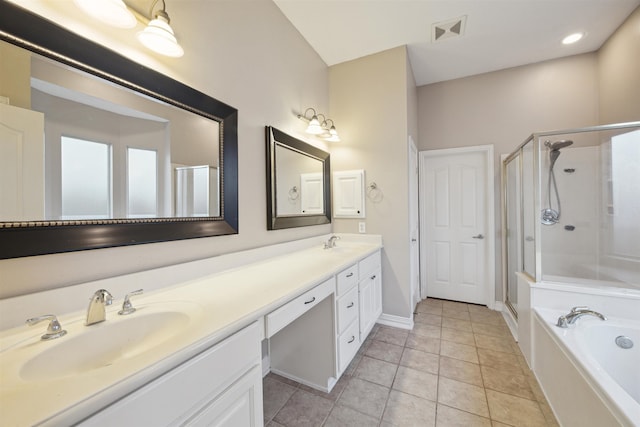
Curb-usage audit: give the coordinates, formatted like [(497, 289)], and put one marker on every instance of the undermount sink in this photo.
[(104, 345), (150, 332)]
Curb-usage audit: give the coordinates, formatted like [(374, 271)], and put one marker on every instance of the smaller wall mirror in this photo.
[(298, 189)]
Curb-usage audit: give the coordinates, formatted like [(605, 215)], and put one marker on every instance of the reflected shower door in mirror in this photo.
[(297, 182), (98, 151), (109, 152)]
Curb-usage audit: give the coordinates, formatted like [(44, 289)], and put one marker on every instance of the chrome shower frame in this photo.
[(538, 151)]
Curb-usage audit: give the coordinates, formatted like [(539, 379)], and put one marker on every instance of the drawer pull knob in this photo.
[(373, 277), (310, 301), (350, 274), (353, 338), (350, 305)]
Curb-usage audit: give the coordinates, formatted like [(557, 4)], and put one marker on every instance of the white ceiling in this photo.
[(499, 33)]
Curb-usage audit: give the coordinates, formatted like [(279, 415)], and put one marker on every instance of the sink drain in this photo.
[(624, 342)]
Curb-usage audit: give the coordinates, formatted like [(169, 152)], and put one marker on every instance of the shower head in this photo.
[(553, 156), (557, 145)]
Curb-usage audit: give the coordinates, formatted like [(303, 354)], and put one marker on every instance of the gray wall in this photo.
[(369, 99)]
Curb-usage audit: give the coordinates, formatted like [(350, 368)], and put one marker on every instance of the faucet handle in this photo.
[(127, 308), (53, 331), (579, 308)]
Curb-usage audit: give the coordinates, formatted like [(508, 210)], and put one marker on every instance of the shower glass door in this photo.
[(512, 227)]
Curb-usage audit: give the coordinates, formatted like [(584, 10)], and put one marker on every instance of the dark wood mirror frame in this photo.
[(29, 31), (275, 222)]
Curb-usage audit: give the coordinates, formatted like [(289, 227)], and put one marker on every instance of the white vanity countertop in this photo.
[(223, 303)]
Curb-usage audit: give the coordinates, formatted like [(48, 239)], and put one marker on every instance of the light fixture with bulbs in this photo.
[(319, 128), (157, 35)]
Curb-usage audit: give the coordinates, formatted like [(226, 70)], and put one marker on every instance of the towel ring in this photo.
[(293, 193)]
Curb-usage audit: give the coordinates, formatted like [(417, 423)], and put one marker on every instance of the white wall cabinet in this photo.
[(348, 194), (220, 386)]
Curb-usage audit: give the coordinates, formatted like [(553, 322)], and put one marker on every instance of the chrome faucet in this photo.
[(331, 243), (574, 314), (96, 312)]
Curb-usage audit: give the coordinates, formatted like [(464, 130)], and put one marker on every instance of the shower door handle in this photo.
[(479, 236)]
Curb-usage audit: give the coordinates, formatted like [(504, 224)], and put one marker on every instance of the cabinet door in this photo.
[(370, 302), (348, 194), (239, 406)]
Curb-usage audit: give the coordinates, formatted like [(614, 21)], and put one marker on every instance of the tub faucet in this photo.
[(96, 312), (331, 243), (574, 314)]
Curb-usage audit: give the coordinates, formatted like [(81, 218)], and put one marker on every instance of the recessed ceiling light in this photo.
[(572, 38)]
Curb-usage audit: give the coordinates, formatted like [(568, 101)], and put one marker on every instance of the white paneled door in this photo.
[(454, 211), (414, 224), (21, 164)]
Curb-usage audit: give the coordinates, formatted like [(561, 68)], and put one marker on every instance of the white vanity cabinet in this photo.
[(370, 292), (221, 386), (358, 306)]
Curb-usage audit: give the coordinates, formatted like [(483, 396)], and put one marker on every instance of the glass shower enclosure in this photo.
[(571, 209)]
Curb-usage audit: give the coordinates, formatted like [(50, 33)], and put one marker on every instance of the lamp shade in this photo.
[(314, 127), (158, 36)]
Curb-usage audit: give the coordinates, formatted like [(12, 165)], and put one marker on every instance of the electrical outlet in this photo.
[(362, 227)]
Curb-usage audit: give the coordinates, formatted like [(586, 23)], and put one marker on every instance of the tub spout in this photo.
[(574, 314)]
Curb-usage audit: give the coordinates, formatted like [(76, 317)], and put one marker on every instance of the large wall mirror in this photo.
[(108, 152), (298, 192)]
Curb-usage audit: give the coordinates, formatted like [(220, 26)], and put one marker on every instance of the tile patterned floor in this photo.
[(459, 366)]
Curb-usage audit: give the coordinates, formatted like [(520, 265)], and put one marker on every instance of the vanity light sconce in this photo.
[(315, 126), (313, 123), (332, 133), (157, 35)]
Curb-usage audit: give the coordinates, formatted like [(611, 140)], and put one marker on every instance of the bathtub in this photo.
[(588, 379)]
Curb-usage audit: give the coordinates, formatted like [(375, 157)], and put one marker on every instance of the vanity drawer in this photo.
[(289, 312), (347, 309), (369, 264), (346, 279), (348, 345)]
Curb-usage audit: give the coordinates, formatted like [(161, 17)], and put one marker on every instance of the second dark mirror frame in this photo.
[(275, 222)]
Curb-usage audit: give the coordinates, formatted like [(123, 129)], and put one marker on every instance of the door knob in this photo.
[(479, 236)]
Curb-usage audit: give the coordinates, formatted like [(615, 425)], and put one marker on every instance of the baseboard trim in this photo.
[(497, 306), (395, 321)]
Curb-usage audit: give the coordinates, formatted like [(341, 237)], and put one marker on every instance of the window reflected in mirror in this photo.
[(127, 163), (86, 184)]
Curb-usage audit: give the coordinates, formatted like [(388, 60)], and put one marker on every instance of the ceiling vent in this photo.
[(448, 29)]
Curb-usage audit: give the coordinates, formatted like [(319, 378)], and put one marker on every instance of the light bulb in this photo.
[(158, 36)]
